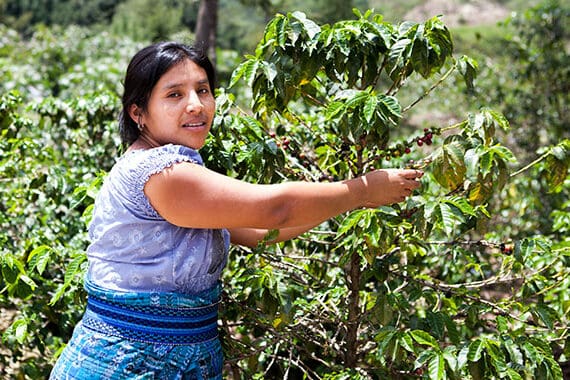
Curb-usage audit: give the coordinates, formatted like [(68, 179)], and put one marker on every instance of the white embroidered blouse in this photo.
[(134, 249)]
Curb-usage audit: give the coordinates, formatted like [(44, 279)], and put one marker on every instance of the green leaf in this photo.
[(468, 68), (476, 348), (280, 31), (515, 354), (18, 330), (335, 110), (311, 28), (369, 108), (40, 257), (419, 56), (353, 98), (480, 192), (503, 152), (556, 172), (462, 206), (440, 39), (497, 119), (450, 218), (270, 71), (246, 70), (452, 330), (513, 375), (389, 109), (532, 353), (74, 268), (562, 151), (496, 354), (449, 355), (471, 158), (423, 358), (436, 323), (10, 269), (524, 249), (407, 343), (352, 220), (448, 165), (28, 281), (384, 338), (436, 367), (398, 56), (253, 126), (423, 337), (546, 314), (462, 357)]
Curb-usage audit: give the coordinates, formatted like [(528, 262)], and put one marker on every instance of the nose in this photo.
[(194, 104)]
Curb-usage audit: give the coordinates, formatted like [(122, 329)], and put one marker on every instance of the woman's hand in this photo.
[(387, 186)]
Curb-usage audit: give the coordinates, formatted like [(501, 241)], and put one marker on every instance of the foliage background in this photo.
[(467, 280)]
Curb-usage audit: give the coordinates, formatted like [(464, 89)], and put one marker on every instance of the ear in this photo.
[(135, 113)]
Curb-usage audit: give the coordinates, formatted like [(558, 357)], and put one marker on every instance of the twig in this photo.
[(273, 358), (525, 168), (433, 87)]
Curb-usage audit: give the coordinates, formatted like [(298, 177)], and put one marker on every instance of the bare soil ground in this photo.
[(458, 13)]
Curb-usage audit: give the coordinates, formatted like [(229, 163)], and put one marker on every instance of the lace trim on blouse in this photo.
[(150, 162)]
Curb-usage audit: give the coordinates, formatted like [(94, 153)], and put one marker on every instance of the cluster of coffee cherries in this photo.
[(426, 139), (506, 248), (405, 148), (283, 142)]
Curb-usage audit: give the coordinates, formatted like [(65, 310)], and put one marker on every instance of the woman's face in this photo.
[(180, 109)]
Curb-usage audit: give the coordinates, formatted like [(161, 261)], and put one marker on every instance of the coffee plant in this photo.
[(431, 288), (414, 290)]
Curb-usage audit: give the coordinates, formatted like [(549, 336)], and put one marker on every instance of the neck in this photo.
[(142, 143)]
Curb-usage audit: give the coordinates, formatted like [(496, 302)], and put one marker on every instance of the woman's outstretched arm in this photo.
[(190, 195)]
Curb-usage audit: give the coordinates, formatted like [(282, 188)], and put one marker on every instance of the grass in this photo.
[(479, 40)]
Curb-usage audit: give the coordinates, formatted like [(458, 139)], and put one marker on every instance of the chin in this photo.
[(196, 146)]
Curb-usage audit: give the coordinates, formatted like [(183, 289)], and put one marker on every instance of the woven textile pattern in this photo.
[(125, 341)]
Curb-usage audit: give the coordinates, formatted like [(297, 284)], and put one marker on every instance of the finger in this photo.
[(401, 198), (413, 174), (412, 184)]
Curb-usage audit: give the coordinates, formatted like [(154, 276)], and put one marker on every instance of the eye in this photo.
[(174, 95), (204, 90)]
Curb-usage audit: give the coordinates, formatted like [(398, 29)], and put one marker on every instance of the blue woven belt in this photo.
[(152, 324)]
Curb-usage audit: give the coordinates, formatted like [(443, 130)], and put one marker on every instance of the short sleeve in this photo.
[(135, 169), (133, 248)]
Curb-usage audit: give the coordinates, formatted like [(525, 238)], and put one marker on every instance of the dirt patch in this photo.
[(459, 13)]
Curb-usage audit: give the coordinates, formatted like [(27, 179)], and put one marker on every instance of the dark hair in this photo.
[(145, 69)]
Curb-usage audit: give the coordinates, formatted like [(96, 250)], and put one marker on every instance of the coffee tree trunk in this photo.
[(206, 27), (354, 274)]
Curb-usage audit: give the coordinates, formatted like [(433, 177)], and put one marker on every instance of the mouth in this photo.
[(199, 124)]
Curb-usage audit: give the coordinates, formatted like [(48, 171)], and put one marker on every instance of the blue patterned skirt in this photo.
[(130, 335)]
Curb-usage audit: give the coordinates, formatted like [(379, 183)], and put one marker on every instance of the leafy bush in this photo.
[(412, 290), (54, 150)]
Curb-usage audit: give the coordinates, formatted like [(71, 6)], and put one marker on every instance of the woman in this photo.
[(162, 225)]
